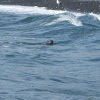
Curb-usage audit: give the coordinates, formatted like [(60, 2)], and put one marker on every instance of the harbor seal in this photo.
[(49, 42)]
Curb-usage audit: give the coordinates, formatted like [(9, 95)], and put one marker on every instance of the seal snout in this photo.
[(49, 42)]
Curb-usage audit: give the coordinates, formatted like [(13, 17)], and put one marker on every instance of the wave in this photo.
[(71, 17), (61, 15)]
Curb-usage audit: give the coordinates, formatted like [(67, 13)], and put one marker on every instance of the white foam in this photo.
[(70, 18), (78, 14), (96, 16), (27, 10)]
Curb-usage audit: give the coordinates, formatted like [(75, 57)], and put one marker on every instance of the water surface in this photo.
[(67, 70)]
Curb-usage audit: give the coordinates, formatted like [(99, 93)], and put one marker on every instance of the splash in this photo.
[(58, 2)]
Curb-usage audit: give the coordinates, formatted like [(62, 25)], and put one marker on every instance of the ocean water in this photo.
[(67, 70)]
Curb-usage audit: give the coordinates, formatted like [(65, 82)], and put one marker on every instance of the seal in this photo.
[(49, 42)]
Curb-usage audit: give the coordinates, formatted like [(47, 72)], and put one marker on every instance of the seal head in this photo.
[(49, 42)]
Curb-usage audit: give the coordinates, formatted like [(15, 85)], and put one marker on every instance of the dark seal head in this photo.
[(49, 42)]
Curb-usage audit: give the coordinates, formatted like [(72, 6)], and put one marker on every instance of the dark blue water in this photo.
[(67, 70)]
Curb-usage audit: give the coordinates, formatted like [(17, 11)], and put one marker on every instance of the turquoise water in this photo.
[(67, 70)]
